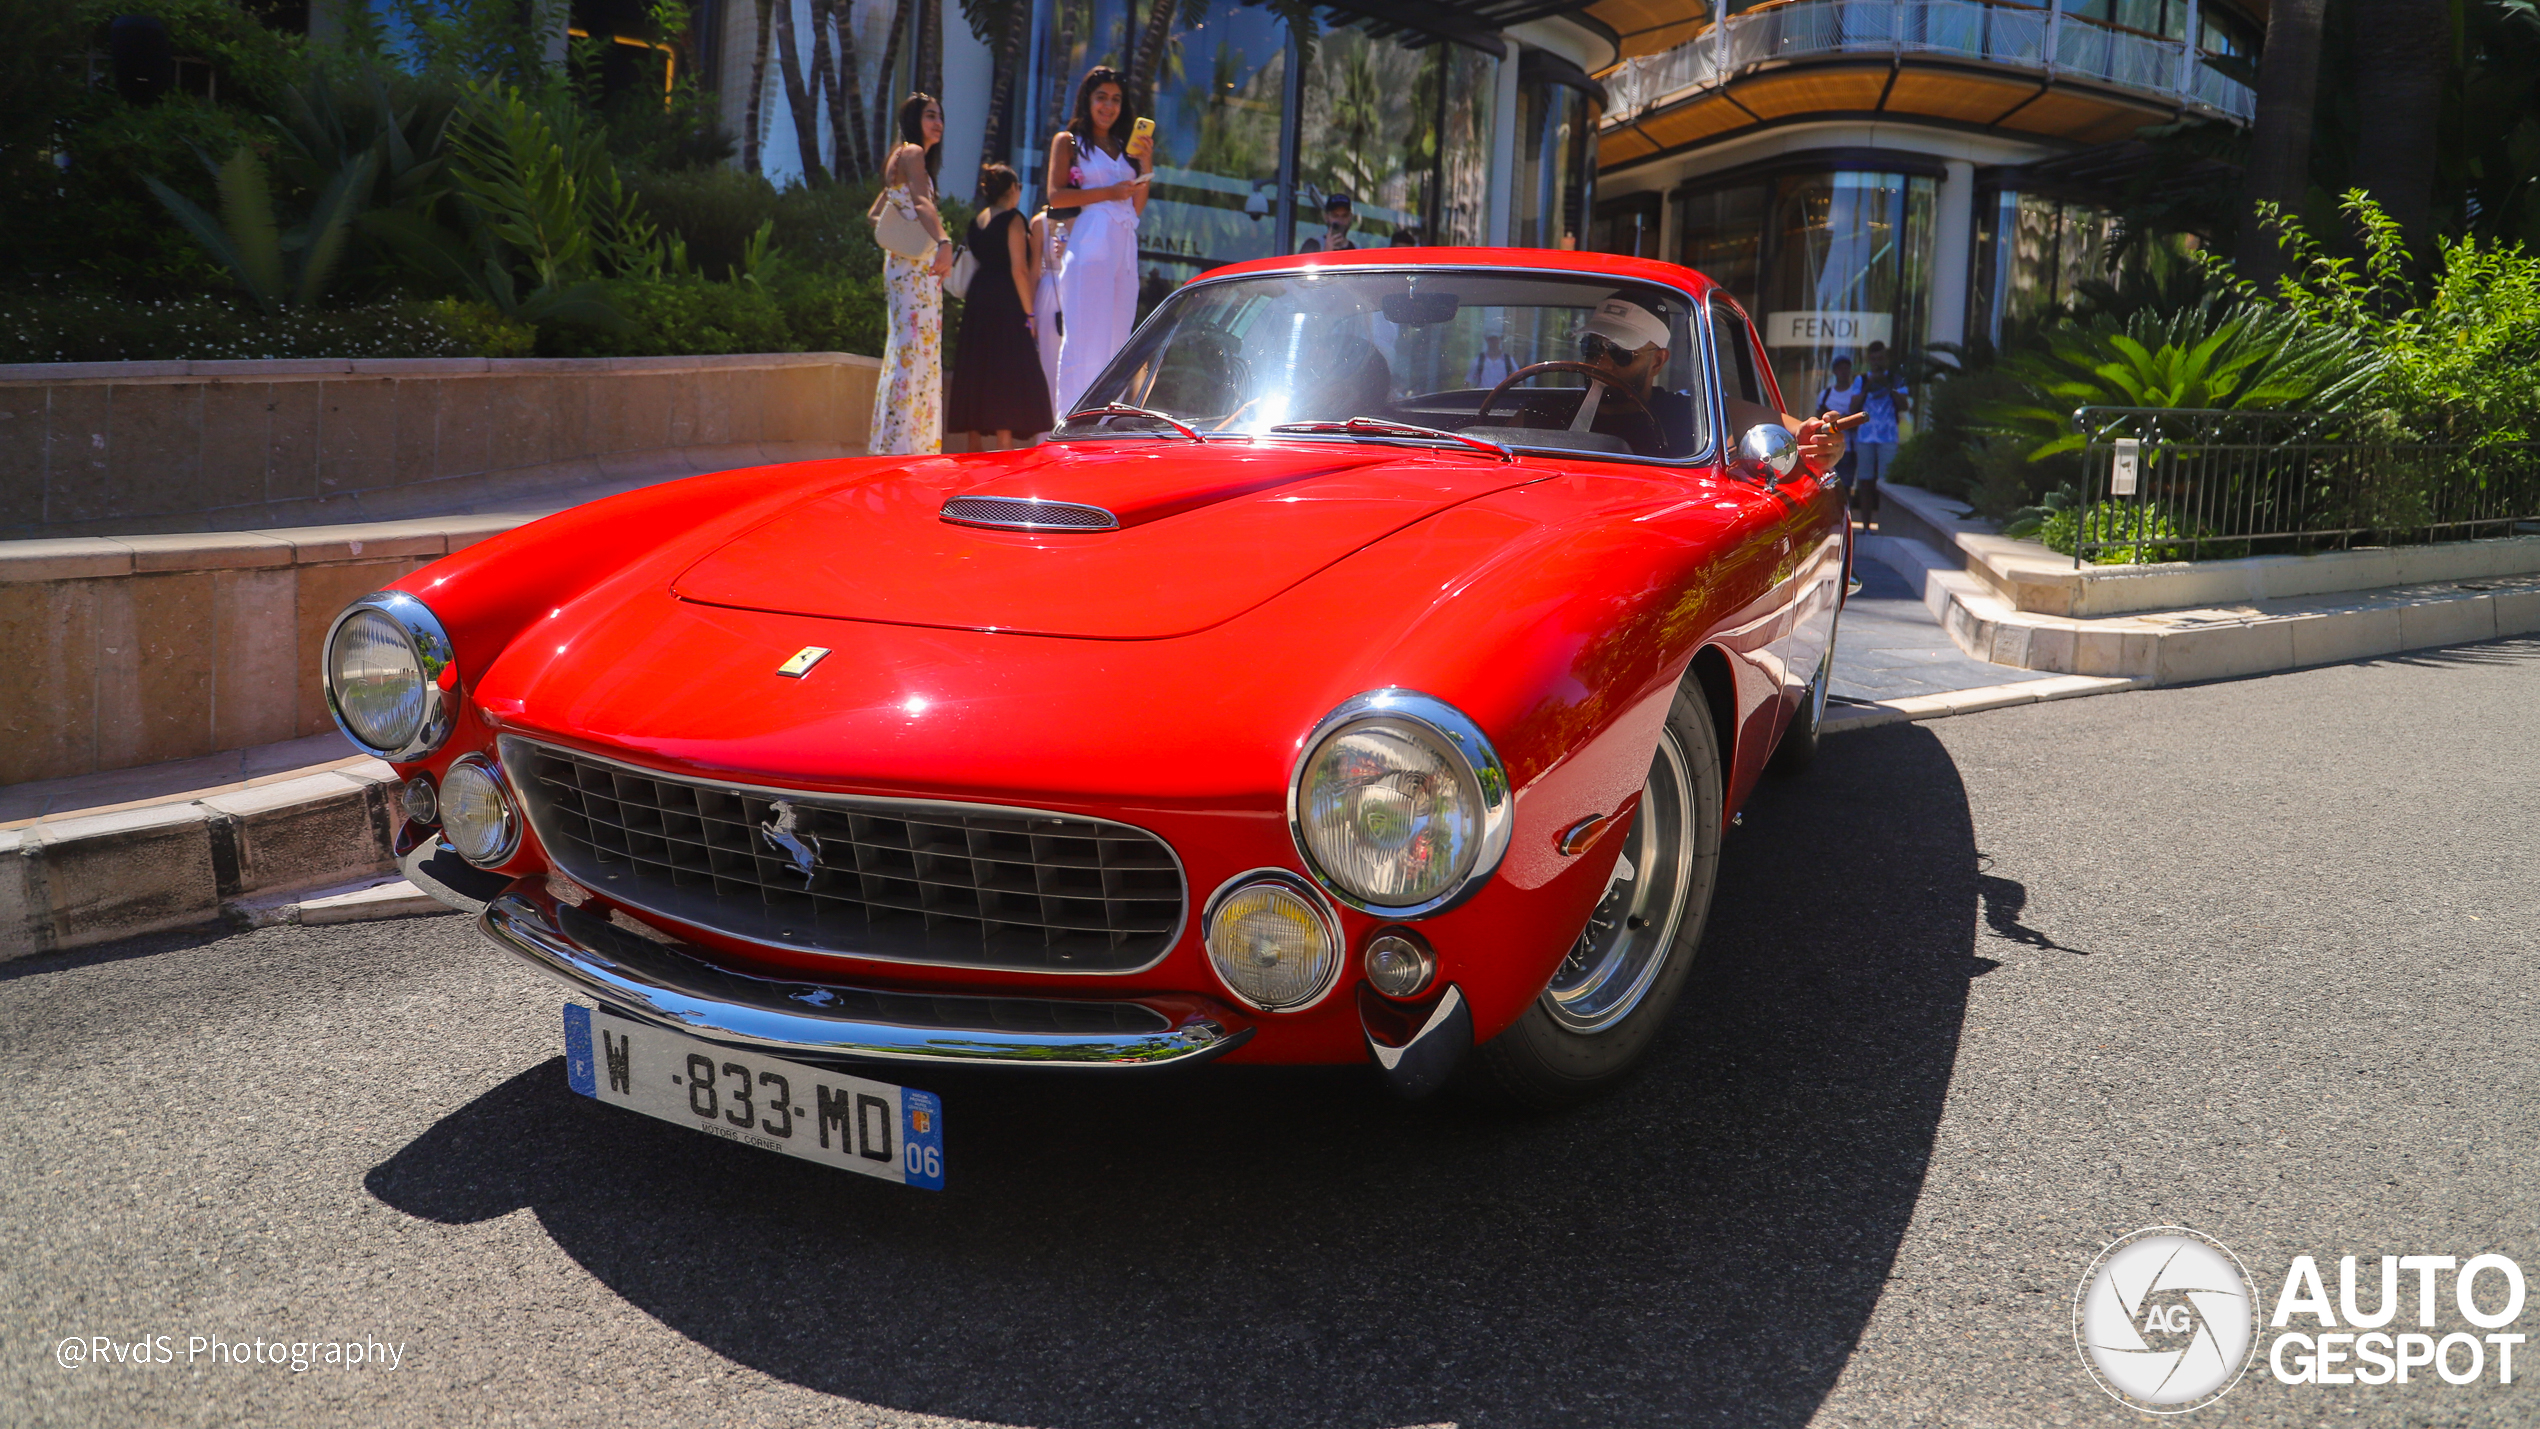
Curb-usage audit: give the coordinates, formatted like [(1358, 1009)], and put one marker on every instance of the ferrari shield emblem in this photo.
[(801, 662)]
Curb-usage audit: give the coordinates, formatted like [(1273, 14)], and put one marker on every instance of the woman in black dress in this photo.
[(997, 388)]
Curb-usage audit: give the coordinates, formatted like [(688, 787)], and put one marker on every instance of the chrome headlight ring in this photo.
[(434, 657), (1458, 734), (457, 791), (1304, 892)]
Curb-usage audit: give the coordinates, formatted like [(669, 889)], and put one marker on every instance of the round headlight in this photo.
[(1400, 805), (385, 659), (378, 681), (1270, 942), (476, 815)]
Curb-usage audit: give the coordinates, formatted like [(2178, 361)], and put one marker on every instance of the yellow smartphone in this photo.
[(1143, 129)]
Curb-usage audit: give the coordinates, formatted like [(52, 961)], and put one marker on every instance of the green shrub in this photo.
[(2062, 523), (682, 316), (94, 327), (2456, 363)]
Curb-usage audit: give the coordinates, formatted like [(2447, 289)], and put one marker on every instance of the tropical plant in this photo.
[(2220, 354), (538, 202), (277, 267)]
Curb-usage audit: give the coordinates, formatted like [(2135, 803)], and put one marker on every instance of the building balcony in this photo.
[(1987, 64)]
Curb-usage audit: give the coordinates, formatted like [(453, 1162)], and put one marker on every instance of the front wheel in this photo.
[(1606, 1000)]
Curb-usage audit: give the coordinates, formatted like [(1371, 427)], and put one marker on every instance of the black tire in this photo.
[(1798, 748), (1559, 1054)]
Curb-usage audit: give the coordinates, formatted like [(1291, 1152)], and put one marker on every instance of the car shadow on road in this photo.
[(1284, 1248)]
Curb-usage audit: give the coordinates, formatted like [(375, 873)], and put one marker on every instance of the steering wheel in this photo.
[(1597, 374)]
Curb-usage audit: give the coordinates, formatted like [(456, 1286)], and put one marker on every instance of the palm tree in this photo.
[(758, 88), (886, 106), (1003, 24), (930, 47), (824, 80), (2279, 168), (806, 117), (848, 132), (2405, 52)]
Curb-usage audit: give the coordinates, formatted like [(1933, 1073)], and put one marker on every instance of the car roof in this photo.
[(1600, 265)]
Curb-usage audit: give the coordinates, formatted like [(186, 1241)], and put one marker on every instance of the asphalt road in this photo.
[(2257, 958)]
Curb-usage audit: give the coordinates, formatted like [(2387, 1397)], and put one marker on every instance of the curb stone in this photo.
[(88, 879), (1916, 708)]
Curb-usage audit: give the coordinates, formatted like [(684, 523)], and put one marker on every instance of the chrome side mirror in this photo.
[(1768, 454)]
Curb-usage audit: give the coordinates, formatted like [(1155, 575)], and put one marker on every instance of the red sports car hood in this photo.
[(1205, 534)]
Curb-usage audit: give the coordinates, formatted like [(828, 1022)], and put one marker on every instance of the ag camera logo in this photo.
[(2165, 1320)]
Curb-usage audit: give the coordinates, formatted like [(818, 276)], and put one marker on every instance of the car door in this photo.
[(1806, 549)]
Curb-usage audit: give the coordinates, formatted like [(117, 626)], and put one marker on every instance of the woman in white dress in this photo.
[(1097, 169), (908, 401), (1049, 239)]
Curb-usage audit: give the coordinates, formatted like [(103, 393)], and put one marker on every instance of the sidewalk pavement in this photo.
[(1894, 661), (1890, 646)]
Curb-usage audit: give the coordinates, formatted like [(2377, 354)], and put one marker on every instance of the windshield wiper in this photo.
[(1386, 427), (1123, 409)]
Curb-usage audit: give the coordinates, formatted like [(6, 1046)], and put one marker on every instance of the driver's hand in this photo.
[(1821, 443)]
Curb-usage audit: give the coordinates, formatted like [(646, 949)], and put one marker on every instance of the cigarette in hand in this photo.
[(1845, 423)]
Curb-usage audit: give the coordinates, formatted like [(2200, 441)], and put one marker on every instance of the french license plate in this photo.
[(896, 1133)]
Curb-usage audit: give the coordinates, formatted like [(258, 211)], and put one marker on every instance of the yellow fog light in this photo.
[(476, 812), (1272, 941)]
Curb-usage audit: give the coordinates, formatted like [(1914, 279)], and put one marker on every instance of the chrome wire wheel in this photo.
[(1620, 952)]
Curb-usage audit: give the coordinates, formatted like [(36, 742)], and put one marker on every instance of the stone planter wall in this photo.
[(114, 449), (144, 621)]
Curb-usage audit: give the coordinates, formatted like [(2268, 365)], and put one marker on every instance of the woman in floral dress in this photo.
[(908, 402)]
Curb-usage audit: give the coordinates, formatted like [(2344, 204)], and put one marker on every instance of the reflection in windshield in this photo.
[(1432, 347)]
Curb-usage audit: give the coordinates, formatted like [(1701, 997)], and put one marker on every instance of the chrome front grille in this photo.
[(897, 879), (1025, 513)]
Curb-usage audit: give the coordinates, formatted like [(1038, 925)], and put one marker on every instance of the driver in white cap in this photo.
[(1629, 342)]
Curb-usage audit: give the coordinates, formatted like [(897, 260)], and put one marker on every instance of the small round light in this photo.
[(1399, 964), (476, 815), (1271, 944), (421, 804), (377, 680)]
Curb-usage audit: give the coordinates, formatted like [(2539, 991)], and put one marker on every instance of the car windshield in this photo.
[(1452, 350)]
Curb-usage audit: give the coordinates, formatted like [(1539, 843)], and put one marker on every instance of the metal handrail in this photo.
[(2172, 483), (1995, 31)]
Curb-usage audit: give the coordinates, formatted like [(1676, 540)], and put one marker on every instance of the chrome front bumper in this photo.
[(653, 980)]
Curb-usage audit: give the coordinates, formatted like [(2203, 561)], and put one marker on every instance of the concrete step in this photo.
[(2218, 642)]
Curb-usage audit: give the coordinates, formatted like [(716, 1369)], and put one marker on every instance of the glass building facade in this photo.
[(1408, 124), (1827, 260), (1401, 123), (2032, 254)]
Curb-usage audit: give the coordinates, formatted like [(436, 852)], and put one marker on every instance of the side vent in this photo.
[(1027, 513)]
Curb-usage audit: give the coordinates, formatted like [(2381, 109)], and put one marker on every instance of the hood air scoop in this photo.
[(1027, 513)]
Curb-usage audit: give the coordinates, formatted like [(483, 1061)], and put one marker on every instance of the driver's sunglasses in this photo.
[(1597, 347)]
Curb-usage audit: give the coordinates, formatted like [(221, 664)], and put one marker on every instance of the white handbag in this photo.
[(964, 268), (898, 233)]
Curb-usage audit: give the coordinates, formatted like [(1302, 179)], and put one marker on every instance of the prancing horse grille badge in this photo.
[(802, 661)]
